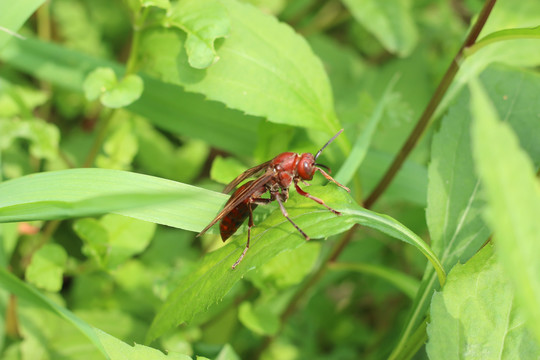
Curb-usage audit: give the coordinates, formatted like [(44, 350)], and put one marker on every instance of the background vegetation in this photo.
[(120, 121)]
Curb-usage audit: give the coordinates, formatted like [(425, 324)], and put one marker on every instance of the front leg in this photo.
[(316, 199)]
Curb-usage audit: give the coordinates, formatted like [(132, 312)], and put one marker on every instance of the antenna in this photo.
[(328, 143)]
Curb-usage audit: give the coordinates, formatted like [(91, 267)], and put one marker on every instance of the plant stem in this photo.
[(419, 129), (424, 120), (130, 68)]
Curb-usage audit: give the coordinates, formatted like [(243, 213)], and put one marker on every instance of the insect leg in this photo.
[(284, 212), (331, 179), (258, 201), (316, 199)]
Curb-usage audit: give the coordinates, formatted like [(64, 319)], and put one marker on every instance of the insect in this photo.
[(275, 177)]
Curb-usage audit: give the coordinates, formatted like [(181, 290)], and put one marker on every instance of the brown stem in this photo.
[(383, 184), (423, 122)]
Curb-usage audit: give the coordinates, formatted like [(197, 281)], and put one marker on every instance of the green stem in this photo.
[(100, 137), (503, 35), (131, 65)]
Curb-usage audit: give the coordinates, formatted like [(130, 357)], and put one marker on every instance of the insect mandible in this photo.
[(275, 177)]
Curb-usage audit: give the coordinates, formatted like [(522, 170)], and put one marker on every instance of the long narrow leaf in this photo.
[(88, 192)]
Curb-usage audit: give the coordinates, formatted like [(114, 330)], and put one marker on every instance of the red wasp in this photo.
[(275, 177)]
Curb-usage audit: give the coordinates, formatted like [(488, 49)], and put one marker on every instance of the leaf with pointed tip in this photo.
[(265, 69), (89, 192), (213, 278), (513, 201), (454, 211)]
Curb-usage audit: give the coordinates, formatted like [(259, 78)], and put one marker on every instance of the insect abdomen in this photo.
[(230, 223)]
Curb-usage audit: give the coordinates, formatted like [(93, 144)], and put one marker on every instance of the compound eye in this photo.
[(306, 169)]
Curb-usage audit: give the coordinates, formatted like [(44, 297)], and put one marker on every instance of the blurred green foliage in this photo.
[(165, 101)]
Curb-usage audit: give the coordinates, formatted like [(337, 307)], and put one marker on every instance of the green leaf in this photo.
[(454, 212), (127, 237), (163, 4), (226, 353), (13, 16), (503, 35), (213, 278), (102, 83), (166, 106), (90, 192), (516, 52), (203, 21), (259, 319), (109, 346), (127, 91), (391, 22), (513, 201), (288, 268), (119, 350), (120, 147), (47, 267), (361, 145), (476, 315), (43, 137), (99, 81), (114, 239), (94, 237), (161, 157), (265, 69), (405, 283), (224, 170), (24, 292)]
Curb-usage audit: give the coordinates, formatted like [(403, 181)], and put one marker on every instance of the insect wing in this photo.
[(246, 174), (238, 198)]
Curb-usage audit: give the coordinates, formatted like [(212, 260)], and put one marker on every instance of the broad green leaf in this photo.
[(476, 316), (46, 268), (513, 201), (265, 69), (288, 268), (13, 16), (213, 278), (455, 202), (391, 22), (203, 21), (43, 137), (164, 105), (90, 192)]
